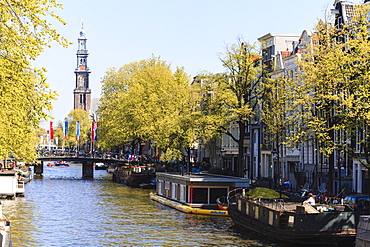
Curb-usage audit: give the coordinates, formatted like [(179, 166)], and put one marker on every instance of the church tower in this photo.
[(82, 92)]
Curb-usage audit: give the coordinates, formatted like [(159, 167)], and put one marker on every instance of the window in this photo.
[(216, 193), (200, 195)]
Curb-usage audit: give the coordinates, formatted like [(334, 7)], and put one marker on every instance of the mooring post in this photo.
[(87, 169)]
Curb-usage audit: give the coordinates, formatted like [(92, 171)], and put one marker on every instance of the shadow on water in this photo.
[(271, 242), (262, 240)]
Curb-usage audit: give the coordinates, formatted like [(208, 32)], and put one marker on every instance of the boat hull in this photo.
[(132, 179), (100, 168), (185, 208), (5, 232), (317, 229), (61, 165)]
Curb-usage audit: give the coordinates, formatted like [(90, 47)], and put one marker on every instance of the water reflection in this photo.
[(64, 210)]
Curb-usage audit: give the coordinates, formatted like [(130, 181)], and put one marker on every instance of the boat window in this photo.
[(200, 195), (216, 193)]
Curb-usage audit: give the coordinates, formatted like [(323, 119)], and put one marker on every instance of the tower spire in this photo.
[(82, 92)]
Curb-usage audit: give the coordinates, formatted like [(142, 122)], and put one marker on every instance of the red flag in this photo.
[(51, 131)]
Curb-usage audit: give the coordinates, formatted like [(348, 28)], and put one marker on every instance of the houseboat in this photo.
[(195, 193), (5, 233), (11, 186), (134, 176), (297, 223)]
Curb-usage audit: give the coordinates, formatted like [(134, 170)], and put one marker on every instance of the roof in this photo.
[(202, 177), (269, 35), (285, 54), (7, 172)]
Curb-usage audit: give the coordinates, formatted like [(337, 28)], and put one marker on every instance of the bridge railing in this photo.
[(79, 154)]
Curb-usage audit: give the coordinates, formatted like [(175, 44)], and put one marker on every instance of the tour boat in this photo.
[(298, 223), (50, 165), (195, 193), (61, 163), (5, 231)]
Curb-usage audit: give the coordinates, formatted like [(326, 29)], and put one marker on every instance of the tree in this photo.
[(24, 94), (276, 114), (59, 134), (239, 90), (331, 99), (356, 97), (84, 120), (146, 101), (212, 113)]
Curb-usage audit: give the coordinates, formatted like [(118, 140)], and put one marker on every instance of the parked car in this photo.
[(358, 203)]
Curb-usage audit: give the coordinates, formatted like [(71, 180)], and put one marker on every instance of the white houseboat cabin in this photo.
[(197, 190)]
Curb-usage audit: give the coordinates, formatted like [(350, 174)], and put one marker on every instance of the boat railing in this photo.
[(232, 194), (333, 200), (273, 203)]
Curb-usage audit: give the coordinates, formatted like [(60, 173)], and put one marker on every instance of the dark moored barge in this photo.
[(294, 222), (134, 176)]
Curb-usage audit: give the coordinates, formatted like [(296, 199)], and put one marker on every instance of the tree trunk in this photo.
[(239, 167), (188, 164), (330, 114)]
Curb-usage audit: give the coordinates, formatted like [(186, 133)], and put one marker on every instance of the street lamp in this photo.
[(275, 161)]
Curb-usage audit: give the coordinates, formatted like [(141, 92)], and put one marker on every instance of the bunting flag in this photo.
[(78, 130), (65, 130), (94, 131), (51, 131)]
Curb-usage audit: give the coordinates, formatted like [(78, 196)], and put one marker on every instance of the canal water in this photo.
[(61, 209)]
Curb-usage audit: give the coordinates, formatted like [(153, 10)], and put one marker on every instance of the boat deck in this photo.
[(281, 205), (291, 206), (278, 204)]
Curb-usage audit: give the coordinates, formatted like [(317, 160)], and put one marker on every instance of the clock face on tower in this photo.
[(81, 80)]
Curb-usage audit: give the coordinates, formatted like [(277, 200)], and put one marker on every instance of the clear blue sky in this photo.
[(183, 33)]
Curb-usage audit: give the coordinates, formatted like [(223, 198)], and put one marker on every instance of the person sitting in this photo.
[(310, 199)]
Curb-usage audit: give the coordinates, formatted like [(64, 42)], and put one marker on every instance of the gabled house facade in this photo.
[(344, 11), (305, 164), (265, 164)]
